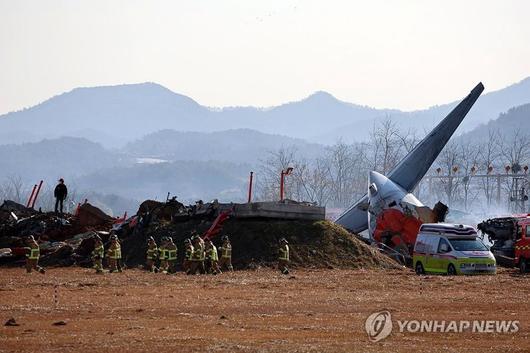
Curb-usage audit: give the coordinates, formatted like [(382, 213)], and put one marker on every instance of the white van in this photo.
[(451, 249)]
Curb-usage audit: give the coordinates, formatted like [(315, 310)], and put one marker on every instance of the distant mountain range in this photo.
[(50, 159), (238, 146), (516, 119), (117, 115), (73, 157)]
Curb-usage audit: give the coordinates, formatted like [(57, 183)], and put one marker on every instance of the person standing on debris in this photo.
[(163, 255), (283, 256), (152, 253), (171, 250), (187, 255), (32, 255), (97, 254), (114, 254), (226, 254), (60, 193), (212, 259), (197, 257)]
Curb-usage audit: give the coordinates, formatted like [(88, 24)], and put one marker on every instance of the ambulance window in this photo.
[(420, 245), (443, 247), (433, 244), (527, 235)]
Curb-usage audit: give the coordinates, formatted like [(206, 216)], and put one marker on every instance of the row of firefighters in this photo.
[(201, 256)]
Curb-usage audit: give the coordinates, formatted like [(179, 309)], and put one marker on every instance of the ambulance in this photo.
[(451, 249)]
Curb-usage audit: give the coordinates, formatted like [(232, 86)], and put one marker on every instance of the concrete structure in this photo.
[(286, 209)]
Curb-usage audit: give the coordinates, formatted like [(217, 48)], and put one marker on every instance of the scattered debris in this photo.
[(5, 252), (88, 215), (19, 209), (11, 322)]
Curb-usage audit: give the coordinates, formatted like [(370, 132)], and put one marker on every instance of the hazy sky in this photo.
[(399, 54)]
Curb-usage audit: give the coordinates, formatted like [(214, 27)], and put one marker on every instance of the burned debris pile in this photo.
[(64, 240), (69, 240)]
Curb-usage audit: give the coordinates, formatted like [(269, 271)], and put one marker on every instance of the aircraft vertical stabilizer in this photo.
[(413, 167)]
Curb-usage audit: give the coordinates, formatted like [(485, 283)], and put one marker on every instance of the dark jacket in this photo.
[(60, 191)]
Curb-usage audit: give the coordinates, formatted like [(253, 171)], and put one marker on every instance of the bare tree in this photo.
[(387, 145), (514, 150), (268, 176), (408, 140), (341, 167), (339, 177), (314, 181), (13, 189), (469, 156), (450, 159), (488, 157)]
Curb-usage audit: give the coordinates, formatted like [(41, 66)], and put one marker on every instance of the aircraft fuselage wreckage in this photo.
[(391, 213)]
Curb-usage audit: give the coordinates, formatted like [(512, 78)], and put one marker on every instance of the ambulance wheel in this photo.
[(523, 266), (451, 270), (419, 268)]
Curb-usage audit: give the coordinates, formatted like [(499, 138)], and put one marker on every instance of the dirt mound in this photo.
[(319, 244)]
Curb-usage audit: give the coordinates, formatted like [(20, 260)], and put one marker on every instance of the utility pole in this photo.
[(250, 187)]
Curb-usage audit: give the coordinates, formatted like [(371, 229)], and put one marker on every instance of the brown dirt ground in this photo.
[(254, 311)]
